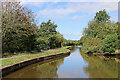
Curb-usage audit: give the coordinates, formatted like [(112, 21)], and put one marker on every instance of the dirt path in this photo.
[(45, 51)]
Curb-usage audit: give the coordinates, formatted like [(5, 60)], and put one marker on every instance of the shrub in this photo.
[(82, 40), (117, 51), (91, 45), (110, 43), (42, 44), (93, 49)]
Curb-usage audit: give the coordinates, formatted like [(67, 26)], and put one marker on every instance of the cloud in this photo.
[(71, 8), (77, 17), (57, 12), (93, 7), (32, 3), (70, 0), (73, 36)]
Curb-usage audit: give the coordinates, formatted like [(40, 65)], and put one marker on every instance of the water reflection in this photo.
[(101, 67), (73, 66), (77, 65), (46, 69)]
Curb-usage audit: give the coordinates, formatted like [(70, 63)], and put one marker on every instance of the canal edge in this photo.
[(14, 67)]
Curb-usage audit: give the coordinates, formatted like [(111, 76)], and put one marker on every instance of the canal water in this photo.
[(76, 65)]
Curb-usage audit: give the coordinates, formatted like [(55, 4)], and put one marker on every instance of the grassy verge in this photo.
[(22, 53), (18, 53), (11, 61)]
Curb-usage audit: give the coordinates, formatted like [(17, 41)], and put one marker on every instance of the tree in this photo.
[(47, 28), (102, 35), (110, 44), (48, 37), (18, 27), (82, 40), (101, 16), (56, 41), (42, 43)]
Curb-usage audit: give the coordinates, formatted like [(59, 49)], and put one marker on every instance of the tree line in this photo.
[(102, 35), (20, 31)]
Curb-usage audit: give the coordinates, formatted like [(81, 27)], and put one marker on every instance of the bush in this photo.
[(91, 45), (93, 49), (42, 44), (110, 44), (117, 51), (82, 40)]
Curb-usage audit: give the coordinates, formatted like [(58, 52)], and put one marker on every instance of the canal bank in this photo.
[(32, 59), (76, 65)]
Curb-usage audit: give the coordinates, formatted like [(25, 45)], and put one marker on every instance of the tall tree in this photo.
[(102, 16), (18, 27), (48, 28)]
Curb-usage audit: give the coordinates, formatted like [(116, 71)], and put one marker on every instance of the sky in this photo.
[(71, 16)]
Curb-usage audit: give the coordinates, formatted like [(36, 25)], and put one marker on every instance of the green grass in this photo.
[(18, 53), (22, 53), (11, 61)]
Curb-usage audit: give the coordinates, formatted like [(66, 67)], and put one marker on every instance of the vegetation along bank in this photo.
[(102, 36)]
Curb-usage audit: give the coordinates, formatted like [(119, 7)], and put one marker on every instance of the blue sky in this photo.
[(71, 17)]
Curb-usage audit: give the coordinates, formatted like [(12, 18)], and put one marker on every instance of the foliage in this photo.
[(82, 40), (117, 51), (101, 31), (110, 44), (70, 42), (56, 41), (91, 45), (47, 29), (21, 33), (18, 27), (48, 37), (101, 16), (42, 44)]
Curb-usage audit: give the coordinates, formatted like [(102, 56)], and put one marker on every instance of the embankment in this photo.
[(18, 65)]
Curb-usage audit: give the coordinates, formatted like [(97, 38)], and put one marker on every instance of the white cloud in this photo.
[(70, 0), (57, 12), (32, 3), (37, 2), (71, 8), (73, 36), (93, 7), (77, 17)]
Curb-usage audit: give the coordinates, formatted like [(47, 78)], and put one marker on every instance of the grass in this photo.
[(22, 53), (10, 61), (18, 53)]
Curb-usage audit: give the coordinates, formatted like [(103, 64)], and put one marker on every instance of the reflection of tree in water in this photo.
[(73, 49), (46, 69), (100, 67)]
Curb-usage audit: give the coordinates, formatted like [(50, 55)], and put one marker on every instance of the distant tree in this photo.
[(48, 37), (47, 28), (101, 16)]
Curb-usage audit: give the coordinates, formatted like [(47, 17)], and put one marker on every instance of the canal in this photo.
[(76, 65)]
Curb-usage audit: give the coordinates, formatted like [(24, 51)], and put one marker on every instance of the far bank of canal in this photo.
[(76, 65)]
